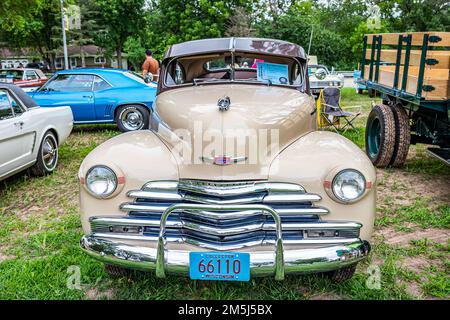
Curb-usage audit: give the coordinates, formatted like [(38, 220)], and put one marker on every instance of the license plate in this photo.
[(219, 266)]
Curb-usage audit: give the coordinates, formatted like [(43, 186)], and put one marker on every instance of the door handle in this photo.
[(89, 97), (19, 124)]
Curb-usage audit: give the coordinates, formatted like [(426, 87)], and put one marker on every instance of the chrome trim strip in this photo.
[(159, 208), (98, 222), (289, 198), (222, 189), (270, 198), (226, 247), (152, 195), (262, 263)]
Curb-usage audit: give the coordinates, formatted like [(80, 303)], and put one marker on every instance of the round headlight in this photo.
[(101, 181), (349, 185)]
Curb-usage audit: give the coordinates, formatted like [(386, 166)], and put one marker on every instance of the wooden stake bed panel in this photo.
[(435, 84), (438, 78), (417, 38), (390, 55)]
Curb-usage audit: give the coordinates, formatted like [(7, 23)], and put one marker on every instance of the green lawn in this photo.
[(40, 230)]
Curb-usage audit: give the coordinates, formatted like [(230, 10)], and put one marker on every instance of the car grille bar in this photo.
[(226, 225)]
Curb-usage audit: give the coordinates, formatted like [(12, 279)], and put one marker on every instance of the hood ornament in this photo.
[(224, 103), (223, 160)]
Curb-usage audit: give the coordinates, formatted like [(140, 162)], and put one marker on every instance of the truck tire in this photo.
[(402, 136), (47, 156), (132, 118), (380, 135), (341, 275), (372, 93)]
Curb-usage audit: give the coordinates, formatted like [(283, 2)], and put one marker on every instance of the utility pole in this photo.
[(310, 38), (66, 58)]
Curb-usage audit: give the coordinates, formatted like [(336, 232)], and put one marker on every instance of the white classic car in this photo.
[(320, 77), (29, 135)]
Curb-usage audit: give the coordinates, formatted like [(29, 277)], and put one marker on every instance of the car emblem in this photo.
[(224, 103), (223, 160)]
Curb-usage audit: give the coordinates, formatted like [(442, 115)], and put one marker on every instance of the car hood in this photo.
[(259, 122)]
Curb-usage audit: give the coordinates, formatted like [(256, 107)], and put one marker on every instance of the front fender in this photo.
[(136, 157), (314, 159)]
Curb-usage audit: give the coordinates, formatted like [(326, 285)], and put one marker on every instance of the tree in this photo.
[(89, 27), (239, 24), (121, 19), (33, 23)]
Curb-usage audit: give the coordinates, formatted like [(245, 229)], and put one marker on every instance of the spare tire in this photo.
[(380, 135)]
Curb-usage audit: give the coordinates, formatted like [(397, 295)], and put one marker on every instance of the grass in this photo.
[(40, 230)]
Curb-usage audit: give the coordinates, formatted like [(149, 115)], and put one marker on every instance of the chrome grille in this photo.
[(300, 217)]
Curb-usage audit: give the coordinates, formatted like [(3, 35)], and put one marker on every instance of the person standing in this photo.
[(150, 65)]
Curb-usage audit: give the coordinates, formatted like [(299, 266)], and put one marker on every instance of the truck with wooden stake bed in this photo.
[(410, 72)]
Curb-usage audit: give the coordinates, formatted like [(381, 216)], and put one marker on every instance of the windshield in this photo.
[(14, 74), (239, 67)]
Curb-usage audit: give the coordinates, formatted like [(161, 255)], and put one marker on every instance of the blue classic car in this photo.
[(100, 96)]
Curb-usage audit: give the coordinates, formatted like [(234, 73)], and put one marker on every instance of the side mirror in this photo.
[(321, 73), (148, 77)]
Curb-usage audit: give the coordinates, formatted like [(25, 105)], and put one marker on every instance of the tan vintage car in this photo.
[(232, 180)]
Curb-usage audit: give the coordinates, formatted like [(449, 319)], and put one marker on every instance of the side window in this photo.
[(30, 75), (5, 106), (71, 83), (100, 84), (15, 106)]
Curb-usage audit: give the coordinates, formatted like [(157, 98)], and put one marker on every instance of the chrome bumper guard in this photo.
[(277, 262)]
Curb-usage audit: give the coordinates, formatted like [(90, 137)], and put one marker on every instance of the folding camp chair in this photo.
[(331, 110)]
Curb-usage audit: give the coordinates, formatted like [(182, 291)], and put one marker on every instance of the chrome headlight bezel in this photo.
[(110, 191), (338, 195)]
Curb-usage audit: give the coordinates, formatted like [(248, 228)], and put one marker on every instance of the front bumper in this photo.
[(262, 263)]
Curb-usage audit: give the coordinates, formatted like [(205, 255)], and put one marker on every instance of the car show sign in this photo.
[(272, 72)]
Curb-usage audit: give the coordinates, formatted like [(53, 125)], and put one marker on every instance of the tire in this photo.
[(372, 93), (359, 91), (402, 136), (380, 135), (118, 272), (132, 118), (341, 275), (47, 157)]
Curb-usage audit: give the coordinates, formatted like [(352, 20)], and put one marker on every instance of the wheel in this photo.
[(380, 135), (341, 275), (132, 117), (47, 157), (402, 136), (116, 272), (359, 91), (372, 93)]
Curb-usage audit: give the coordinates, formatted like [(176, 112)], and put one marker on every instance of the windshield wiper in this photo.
[(196, 80)]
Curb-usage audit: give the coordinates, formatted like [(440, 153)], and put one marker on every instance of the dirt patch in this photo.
[(397, 187), (413, 289), (418, 264), (326, 296), (95, 294), (392, 237)]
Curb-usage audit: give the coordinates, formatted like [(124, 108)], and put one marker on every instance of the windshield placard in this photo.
[(273, 72)]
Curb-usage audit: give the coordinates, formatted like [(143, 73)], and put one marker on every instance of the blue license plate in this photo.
[(219, 266)]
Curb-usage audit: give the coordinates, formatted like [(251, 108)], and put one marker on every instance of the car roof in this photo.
[(249, 45), (92, 70), (26, 99)]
